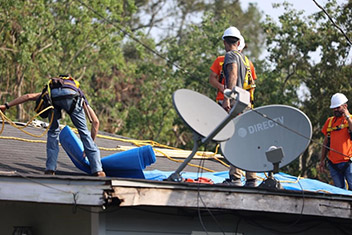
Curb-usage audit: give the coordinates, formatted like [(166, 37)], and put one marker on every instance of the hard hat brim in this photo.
[(334, 106)]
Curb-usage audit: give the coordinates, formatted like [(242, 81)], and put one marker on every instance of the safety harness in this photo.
[(45, 100), (248, 83), (336, 128)]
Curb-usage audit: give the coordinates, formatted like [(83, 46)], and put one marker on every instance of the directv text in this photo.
[(265, 125), (261, 126)]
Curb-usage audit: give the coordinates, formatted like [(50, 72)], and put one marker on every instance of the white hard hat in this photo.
[(232, 32), (337, 100), (242, 43)]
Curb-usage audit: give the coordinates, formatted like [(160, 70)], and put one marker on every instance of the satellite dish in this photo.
[(207, 119), (257, 131), (202, 114)]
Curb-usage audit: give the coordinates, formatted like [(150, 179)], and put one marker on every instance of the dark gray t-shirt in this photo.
[(233, 57)]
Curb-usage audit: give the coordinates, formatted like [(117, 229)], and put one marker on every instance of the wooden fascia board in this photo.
[(173, 196), (57, 191)]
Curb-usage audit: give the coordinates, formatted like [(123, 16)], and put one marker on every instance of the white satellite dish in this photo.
[(258, 130), (202, 114)]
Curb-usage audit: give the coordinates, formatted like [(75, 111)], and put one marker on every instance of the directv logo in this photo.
[(262, 126)]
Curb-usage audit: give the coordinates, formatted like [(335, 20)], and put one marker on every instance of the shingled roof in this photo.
[(23, 153)]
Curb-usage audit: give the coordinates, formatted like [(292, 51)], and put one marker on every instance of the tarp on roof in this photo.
[(287, 181)]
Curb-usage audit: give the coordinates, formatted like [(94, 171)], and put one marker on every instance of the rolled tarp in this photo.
[(126, 164)]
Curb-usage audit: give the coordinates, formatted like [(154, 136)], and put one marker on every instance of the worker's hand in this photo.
[(345, 111), (226, 105), (2, 108), (221, 88)]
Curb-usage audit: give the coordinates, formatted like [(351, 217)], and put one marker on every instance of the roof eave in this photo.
[(170, 194), (57, 190)]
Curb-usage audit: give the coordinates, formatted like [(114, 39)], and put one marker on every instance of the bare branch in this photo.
[(333, 22)]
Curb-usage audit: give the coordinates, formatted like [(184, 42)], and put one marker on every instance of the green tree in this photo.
[(41, 39)]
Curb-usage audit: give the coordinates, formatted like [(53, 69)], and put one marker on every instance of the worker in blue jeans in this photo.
[(79, 121), (69, 100)]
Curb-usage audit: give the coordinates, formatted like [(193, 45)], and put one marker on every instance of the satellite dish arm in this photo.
[(176, 175)]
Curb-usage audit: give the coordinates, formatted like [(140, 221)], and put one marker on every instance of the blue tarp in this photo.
[(130, 164), (288, 182)]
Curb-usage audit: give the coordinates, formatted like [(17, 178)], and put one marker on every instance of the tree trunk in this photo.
[(18, 92)]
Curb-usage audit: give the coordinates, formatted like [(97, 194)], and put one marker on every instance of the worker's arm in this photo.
[(93, 119), (349, 120), (20, 100), (347, 116), (231, 70), (214, 81), (324, 152)]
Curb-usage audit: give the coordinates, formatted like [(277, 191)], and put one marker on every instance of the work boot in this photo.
[(49, 172), (99, 174), (250, 183), (233, 182), (236, 182)]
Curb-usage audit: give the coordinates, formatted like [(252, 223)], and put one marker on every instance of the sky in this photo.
[(308, 6)]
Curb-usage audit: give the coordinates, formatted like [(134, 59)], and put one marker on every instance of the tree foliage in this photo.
[(41, 39), (307, 55)]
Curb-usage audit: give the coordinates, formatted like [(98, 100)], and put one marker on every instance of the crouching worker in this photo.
[(66, 95)]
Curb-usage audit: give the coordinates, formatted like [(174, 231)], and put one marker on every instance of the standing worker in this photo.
[(236, 73), (68, 96), (216, 77), (338, 137)]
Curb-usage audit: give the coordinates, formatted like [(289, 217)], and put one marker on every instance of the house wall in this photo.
[(171, 221), (44, 218), (52, 219)]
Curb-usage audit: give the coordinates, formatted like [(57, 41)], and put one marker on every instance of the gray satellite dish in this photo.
[(202, 114), (283, 127), (208, 120)]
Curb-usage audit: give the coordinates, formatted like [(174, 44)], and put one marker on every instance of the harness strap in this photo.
[(68, 78), (248, 80), (336, 128), (68, 82)]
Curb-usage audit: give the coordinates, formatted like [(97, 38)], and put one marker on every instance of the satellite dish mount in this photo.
[(273, 155)]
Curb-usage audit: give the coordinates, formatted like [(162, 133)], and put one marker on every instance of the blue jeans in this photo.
[(79, 121), (338, 177)]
